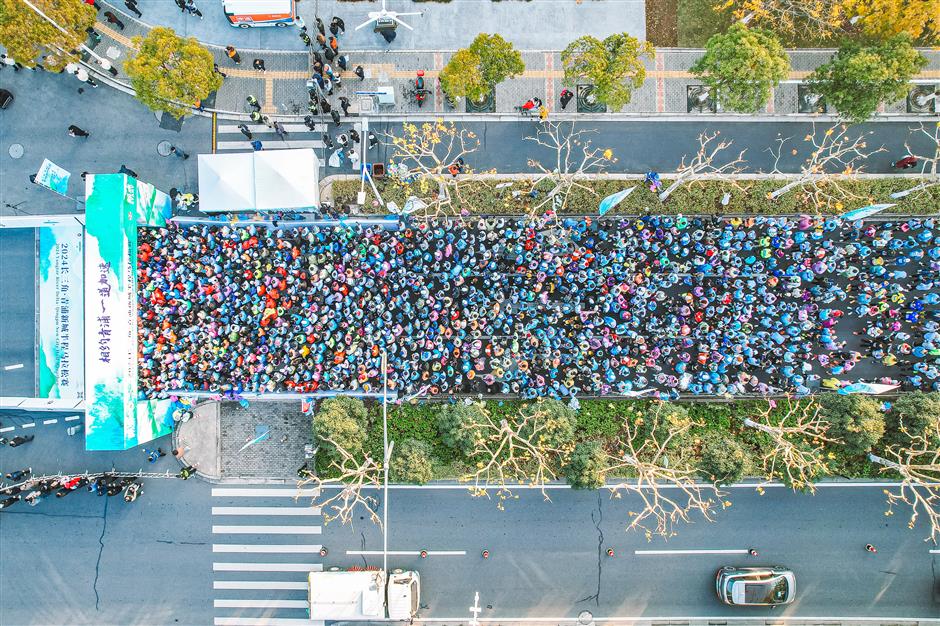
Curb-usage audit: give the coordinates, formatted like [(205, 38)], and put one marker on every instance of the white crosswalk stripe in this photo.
[(267, 546), (229, 137)]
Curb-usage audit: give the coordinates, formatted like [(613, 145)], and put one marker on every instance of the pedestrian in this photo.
[(182, 155), (179, 452), (300, 23), (322, 41), (870, 548), (181, 5), (7, 502), (360, 72), (33, 497), (325, 107), (334, 44), (113, 19), (344, 105), (93, 3), (373, 140), (215, 68), (19, 474), (328, 54), (258, 64), (95, 36), (191, 7), (280, 130), (354, 134), (253, 102), (82, 74), (543, 113), (320, 27), (343, 61), (247, 133), (257, 145), (187, 471), (310, 123), (108, 67), (232, 53), (337, 26), (7, 60), (335, 115), (304, 37), (126, 170), (317, 58), (20, 440), (75, 131), (327, 141), (906, 163), (566, 96), (132, 7)]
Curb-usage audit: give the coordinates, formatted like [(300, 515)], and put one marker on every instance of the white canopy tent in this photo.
[(259, 181)]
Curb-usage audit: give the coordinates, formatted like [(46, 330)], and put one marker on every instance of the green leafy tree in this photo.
[(912, 415), (587, 465), (498, 59), (724, 459), (666, 418), (857, 421), (614, 66), (557, 422), (342, 421), (458, 424), (461, 77), (26, 35), (411, 462), (859, 77), (171, 73), (743, 65)]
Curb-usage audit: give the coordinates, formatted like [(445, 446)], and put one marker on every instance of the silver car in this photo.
[(755, 586)]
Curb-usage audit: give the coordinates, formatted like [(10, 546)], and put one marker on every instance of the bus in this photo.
[(248, 13)]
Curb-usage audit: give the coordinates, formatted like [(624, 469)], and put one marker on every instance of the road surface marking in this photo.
[(49, 421), (261, 604), (267, 567), (15, 366), (270, 492), (260, 584), (7, 429), (30, 425), (273, 143), (271, 530), (650, 552), (647, 619), (407, 552), (264, 128), (74, 418), (280, 548), (265, 621), (265, 510), (935, 552)]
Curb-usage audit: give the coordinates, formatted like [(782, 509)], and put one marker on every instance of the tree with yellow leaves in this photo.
[(885, 18), (26, 35)]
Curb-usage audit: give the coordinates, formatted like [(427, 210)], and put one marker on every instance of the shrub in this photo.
[(912, 415), (724, 459), (411, 462), (585, 468), (557, 422), (857, 421), (457, 424), (661, 418), (344, 421)]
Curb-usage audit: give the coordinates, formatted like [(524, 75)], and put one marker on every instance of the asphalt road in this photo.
[(19, 312), (102, 561)]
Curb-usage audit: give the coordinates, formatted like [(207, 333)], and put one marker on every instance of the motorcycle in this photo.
[(133, 491), (419, 93)]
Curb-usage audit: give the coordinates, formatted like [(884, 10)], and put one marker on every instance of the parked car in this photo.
[(755, 586), (6, 98)]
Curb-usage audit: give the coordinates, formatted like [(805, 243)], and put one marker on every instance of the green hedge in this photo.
[(702, 198)]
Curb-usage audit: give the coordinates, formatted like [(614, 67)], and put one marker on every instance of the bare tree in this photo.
[(930, 165), (819, 18), (353, 476), (573, 158), (421, 163), (523, 448), (798, 435), (835, 159), (704, 164), (918, 464), (669, 493)]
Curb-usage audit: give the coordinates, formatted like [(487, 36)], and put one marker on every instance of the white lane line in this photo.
[(280, 548), (671, 552), (935, 552), (263, 128), (245, 585), (7, 429), (266, 530), (265, 510), (265, 621), (49, 421), (267, 567), (270, 492), (15, 366), (74, 418), (260, 604), (30, 425), (271, 144), (407, 552)]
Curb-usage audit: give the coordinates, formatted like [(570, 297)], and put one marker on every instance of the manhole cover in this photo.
[(16, 151), (163, 148)]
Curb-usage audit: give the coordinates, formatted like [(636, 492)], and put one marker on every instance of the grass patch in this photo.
[(697, 21), (661, 21)]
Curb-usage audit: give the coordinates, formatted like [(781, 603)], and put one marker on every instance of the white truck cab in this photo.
[(363, 595)]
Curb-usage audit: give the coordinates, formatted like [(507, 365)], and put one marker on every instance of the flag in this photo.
[(613, 200), (53, 177), (865, 211), (867, 388)]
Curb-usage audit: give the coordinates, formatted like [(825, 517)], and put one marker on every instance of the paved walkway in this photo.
[(282, 89)]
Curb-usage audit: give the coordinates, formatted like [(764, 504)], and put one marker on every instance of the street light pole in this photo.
[(53, 22), (387, 455)]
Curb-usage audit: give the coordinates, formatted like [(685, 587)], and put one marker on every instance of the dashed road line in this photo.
[(265, 510), (271, 492), (267, 567), (50, 421), (261, 530), (260, 604), (251, 585), (278, 548)]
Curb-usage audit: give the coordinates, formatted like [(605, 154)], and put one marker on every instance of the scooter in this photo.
[(420, 93), (133, 491)]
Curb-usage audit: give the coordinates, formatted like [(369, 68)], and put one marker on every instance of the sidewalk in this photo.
[(282, 89)]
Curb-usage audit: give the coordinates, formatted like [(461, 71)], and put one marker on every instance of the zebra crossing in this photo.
[(267, 544), (229, 137)]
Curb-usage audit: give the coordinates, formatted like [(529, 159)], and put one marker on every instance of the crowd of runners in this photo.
[(542, 307)]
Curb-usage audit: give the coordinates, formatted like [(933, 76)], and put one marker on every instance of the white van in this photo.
[(248, 13)]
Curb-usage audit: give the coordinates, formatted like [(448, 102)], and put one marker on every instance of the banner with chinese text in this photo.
[(60, 311)]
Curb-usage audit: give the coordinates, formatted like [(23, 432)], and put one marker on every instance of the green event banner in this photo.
[(114, 206), (61, 310)]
